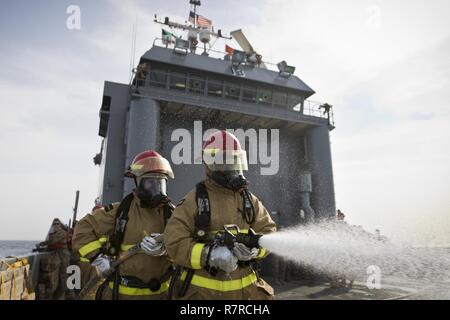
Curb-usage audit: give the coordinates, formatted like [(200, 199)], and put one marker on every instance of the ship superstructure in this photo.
[(178, 85)]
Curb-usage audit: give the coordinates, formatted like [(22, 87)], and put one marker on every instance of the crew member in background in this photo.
[(55, 264), (340, 216), (141, 74), (326, 111), (212, 271), (140, 218)]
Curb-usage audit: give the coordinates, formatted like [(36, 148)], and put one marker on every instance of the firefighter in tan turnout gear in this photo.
[(205, 268), (87, 270), (140, 218)]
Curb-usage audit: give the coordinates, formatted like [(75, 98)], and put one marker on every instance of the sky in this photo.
[(384, 65)]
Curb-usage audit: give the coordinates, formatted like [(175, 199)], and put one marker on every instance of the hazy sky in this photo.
[(384, 65)]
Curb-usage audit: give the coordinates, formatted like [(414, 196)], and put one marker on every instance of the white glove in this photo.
[(153, 245), (102, 263), (222, 258), (244, 253)]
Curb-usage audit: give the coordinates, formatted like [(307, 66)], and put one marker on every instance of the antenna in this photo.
[(184, 27), (195, 3), (194, 31), (254, 57), (133, 48)]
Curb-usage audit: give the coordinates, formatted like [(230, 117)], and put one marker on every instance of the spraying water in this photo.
[(338, 249)]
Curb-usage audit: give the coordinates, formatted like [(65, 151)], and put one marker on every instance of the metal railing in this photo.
[(213, 87), (211, 52)]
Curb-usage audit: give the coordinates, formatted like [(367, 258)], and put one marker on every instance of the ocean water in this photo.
[(16, 248)]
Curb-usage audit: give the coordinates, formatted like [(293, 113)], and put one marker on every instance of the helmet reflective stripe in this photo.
[(136, 167), (222, 151), (149, 162), (226, 161)]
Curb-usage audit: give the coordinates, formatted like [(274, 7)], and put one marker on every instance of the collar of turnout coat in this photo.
[(210, 183)]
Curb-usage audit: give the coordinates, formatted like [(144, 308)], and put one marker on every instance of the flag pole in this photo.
[(195, 14), (195, 3)]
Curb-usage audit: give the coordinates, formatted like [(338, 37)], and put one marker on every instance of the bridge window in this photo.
[(249, 94), (158, 78), (215, 88), (294, 101), (232, 91), (279, 98), (178, 81), (196, 85), (264, 96)]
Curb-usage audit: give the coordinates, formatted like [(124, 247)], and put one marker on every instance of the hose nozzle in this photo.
[(250, 239), (228, 237)]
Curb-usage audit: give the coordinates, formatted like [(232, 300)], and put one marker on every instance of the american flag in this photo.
[(203, 22)]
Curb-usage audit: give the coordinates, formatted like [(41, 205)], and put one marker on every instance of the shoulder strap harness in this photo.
[(120, 225), (203, 225), (203, 218)]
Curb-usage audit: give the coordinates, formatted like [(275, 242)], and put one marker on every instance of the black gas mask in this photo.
[(226, 167), (151, 189), (232, 179)]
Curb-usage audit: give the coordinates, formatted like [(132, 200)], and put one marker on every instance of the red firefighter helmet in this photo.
[(222, 151), (149, 161)]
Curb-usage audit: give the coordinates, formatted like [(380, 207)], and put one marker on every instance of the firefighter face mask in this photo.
[(231, 179), (151, 190), (226, 168)]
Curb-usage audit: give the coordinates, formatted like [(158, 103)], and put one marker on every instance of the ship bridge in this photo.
[(172, 89), (197, 80)]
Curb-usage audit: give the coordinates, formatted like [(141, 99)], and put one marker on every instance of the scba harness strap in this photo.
[(203, 218), (122, 220), (249, 210), (116, 238), (120, 224)]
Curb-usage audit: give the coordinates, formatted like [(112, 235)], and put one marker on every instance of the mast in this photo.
[(195, 3), (193, 30)]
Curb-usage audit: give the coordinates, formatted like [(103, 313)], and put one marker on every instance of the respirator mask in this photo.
[(151, 189)]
